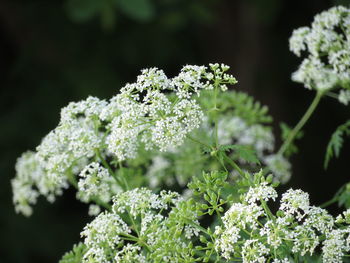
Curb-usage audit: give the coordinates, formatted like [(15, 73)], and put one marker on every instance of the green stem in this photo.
[(71, 178), (301, 123), (267, 210), (329, 202), (215, 109), (106, 165), (123, 176), (234, 165), (199, 142), (100, 203)]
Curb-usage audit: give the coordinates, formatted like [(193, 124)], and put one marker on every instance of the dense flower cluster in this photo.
[(141, 220), (144, 113), (250, 231), (96, 182), (180, 164), (327, 45), (155, 112)]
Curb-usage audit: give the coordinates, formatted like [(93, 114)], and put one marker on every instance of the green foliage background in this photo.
[(53, 52)]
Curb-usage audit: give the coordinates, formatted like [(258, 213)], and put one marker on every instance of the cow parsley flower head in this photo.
[(31, 181), (159, 112), (344, 96), (24, 193), (230, 128), (141, 218), (263, 192), (327, 62), (73, 142), (259, 136), (145, 113), (141, 200), (227, 241), (102, 235), (295, 203), (130, 253), (279, 166), (335, 245), (254, 251), (95, 182)]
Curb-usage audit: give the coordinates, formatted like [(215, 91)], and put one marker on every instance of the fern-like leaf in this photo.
[(336, 142), (285, 132), (241, 105), (244, 152), (75, 255)]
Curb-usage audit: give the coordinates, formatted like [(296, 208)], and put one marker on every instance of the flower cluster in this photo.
[(144, 113), (326, 43), (64, 152), (161, 130), (142, 227), (96, 182), (155, 112), (250, 231), (235, 126), (29, 173)]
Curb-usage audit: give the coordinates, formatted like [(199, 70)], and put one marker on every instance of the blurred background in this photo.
[(54, 52)]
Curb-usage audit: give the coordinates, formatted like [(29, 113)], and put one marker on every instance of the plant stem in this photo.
[(301, 123), (335, 197), (216, 116), (234, 165), (199, 142), (73, 181), (329, 202), (106, 165)]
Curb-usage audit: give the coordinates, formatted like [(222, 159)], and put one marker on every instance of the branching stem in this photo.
[(301, 123)]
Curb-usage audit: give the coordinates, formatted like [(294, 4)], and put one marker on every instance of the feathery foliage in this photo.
[(336, 142)]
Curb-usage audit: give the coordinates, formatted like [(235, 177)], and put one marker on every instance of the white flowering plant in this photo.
[(184, 169)]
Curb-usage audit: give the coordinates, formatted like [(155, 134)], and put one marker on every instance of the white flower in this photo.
[(94, 210), (254, 251), (328, 63), (138, 201), (335, 245), (295, 203), (297, 40), (31, 180), (279, 166), (130, 253), (95, 182), (227, 241), (344, 96), (259, 193), (284, 260), (157, 170), (259, 136), (102, 235), (230, 128)]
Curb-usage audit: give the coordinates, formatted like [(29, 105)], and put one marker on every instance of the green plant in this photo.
[(182, 170)]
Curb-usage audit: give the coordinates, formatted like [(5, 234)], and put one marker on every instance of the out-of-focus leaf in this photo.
[(83, 10), (108, 17), (75, 255), (245, 152), (336, 142), (137, 9)]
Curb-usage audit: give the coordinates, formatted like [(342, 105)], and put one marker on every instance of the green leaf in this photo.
[(75, 255), (83, 10), (245, 152), (286, 130), (336, 142), (142, 10)]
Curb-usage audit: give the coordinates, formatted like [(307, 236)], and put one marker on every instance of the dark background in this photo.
[(54, 52)]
